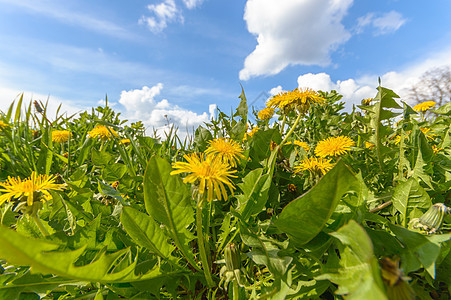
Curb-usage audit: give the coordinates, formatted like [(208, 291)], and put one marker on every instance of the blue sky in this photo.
[(181, 58)]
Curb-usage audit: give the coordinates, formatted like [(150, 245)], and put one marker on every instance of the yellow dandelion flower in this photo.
[(298, 98), (250, 133), (427, 132), (211, 173), (292, 188), (266, 113), (302, 144), (102, 132), (31, 189), (424, 106), (60, 136), (225, 149), (315, 165), (369, 145), (125, 141), (334, 146), (398, 138), (367, 101), (436, 149), (3, 125), (115, 184)]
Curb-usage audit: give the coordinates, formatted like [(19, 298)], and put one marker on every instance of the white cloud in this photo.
[(163, 13), (384, 24), (66, 15), (293, 32), (141, 105), (190, 4), (354, 90)]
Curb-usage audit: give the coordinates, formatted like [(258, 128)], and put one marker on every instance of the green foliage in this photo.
[(124, 227)]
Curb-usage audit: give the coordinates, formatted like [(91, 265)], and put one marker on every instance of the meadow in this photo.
[(305, 202)]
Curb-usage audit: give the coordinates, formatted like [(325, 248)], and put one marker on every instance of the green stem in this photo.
[(201, 243), (236, 290), (291, 129), (38, 223), (283, 122)]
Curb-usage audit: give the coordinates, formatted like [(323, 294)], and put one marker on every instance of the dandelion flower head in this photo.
[(314, 165), (125, 141), (60, 136), (211, 173), (250, 133), (424, 106), (102, 132), (334, 146), (15, 187), (266, 113), (301, 99), (3, 125), (225, 149), (367, 101)]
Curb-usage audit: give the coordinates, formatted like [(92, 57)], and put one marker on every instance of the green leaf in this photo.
[(409, 195), (418, 249), (255, 189), (443, 110), (261, 143), (241, 110), (168, 200), (101, 158), (145, 231), (358, 276), (305, 217), (201, 137), (43, 257)]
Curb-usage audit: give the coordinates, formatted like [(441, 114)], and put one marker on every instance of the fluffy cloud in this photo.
[(383, 24), (354, 90), (293, 32), (163, 13), (141, 105)]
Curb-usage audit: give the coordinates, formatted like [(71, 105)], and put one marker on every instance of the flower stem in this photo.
[(291, 129), (236, 290), (41, 226), (201, 243)]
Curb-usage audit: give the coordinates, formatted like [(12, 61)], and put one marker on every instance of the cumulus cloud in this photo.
[(354, 90), (162, 14), (383, 24), (293, 32), (141, 105)]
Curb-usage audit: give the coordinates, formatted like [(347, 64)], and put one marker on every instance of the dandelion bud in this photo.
[(433, 218), (232, 257)]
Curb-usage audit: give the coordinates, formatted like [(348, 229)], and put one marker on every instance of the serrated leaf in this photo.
[(168, 200), (145, 232), (409, 195), (255, 187), (44, 257)]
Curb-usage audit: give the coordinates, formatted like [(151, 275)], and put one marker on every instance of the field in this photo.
[(306, 202)]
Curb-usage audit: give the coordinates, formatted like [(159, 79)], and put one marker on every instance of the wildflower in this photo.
[(292, 188), (334, 146), (225, 149), (301, 99), (115, 184), (314, 165), (367, 101), (427, 133), (436, 149), (210, 173), (398, 137), (125, 141), (102, 132), (3, 125), (66, 154), (424, 106), (273, 145), (266, 113), (369, 145), (31, 189), (300, 144), (60, 136), (250, 133), (432, 219)]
